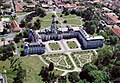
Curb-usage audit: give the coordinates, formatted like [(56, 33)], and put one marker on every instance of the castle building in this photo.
[(34, 48), (86, 41)]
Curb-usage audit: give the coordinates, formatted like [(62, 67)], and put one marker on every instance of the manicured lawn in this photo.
[(74, 21), (5, 17), (48, 16), (69, 16), (54, 46), (45, 21), (83, 57), (45, 24), (72, 44)]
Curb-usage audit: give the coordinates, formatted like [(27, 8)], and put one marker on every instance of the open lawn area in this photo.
[(72, 44), (45, 24), (33, 66), (54, 46), (74, 21), (45, 21), (67, 16)]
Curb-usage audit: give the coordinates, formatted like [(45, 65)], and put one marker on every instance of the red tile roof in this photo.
[(73, 5), (68, 6), (31, 6), (112, 18), (18, 8), (116, 30), (81, 7), (4, 42), (15, 26)]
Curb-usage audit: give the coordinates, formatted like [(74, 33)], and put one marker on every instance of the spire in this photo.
[(54, 26)]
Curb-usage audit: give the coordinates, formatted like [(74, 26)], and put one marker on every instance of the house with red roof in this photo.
[(15, 26), (19, 7), (2, 43), (110, 18), (116, 31)]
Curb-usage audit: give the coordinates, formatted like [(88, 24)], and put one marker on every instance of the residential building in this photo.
[(116, 30), (4, 43), (15, 26), (110, 18)]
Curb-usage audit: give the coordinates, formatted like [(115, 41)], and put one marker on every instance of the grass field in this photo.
[(67, 16), (45, 21), (72, 44), (54, 46), (74, 21), (33, 66)]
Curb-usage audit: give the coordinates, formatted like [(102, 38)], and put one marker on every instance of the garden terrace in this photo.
[(61, 61)]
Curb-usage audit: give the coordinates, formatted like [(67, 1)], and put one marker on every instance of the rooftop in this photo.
[(1, 26), (116, 30), (15, 26), (112, 18)]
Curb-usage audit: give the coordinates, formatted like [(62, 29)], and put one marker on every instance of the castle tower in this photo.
[(53, 26)]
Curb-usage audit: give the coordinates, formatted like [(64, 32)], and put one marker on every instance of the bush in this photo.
[(61, 15), (65, 21)]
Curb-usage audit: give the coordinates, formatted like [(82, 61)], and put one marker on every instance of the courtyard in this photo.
[(54, 46), (72, 44)]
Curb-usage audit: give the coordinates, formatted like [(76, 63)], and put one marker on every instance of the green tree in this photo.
[(3, 39), (51, 67), (40, 12), (21, 74), (85, 70), (115, 72), (114, 40), (23, 23), (37, 24), (99, 76), (73, 77), (105, 54)]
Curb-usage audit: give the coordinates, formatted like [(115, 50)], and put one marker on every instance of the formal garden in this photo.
[(54, 46), (82, 57), (72, 44), (61, 61)]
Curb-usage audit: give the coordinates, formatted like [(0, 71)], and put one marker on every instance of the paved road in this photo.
[(8, 37)]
